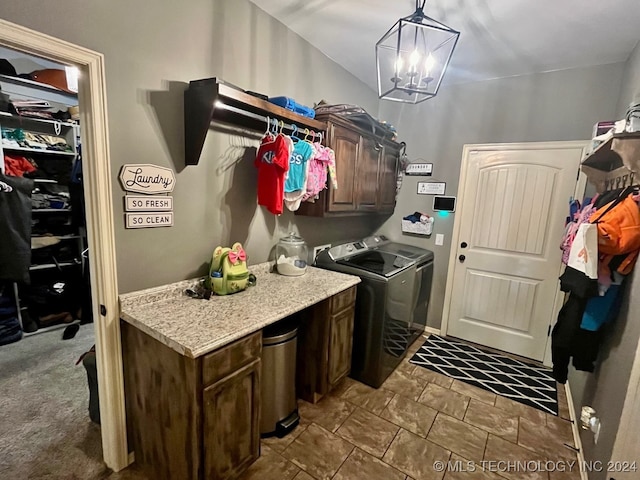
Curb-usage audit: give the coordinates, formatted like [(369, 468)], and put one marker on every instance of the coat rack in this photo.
[(211, 100)]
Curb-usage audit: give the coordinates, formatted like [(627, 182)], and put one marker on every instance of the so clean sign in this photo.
[(153, 209)]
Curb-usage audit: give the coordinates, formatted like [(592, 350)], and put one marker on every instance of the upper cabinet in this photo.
[(365, 169)]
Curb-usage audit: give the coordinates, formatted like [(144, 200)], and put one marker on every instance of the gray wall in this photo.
[(562, 105), (152, 49), (605, 389)]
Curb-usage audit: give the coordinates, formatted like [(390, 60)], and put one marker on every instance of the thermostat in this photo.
[(444, 204)]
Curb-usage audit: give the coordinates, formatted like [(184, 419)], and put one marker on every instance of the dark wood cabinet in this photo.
[(367, 179), (325, 343), (366, 173), (231, 435), (346, 145), (192, 418), (340, 346)]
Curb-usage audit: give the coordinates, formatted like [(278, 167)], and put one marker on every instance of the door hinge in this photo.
[(549, 331)]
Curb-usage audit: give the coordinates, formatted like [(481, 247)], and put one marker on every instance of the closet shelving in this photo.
[(621, 149), (615, 163), (212, 99), (22, 88)]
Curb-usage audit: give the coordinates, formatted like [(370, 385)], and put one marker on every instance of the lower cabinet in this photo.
[(192, 418), (340, 346), (325, 344), (232, 423)]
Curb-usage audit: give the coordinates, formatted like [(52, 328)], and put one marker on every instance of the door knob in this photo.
[(462, 258), (463, 245)]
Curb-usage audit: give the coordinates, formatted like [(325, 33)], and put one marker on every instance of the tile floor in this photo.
[(416, 418)]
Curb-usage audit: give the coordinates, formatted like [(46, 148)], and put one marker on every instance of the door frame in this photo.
[(92, 96), (466, 150)]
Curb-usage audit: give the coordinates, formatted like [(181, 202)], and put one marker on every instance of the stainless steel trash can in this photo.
[(278, 381)]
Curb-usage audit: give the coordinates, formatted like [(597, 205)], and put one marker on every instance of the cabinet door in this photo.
[(387, 182), (367, 176), (340, 345), (231, 423), (346, 145)]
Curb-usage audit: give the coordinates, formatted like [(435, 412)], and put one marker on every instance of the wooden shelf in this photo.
[(37, 151), (211, 99), (623, 149)]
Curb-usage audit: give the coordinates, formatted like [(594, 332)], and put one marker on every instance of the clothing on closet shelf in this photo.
[(15, 228), (17, 165), (608, 229), (272, 162)]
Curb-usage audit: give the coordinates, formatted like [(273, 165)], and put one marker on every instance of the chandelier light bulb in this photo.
[(429, 63), (398, 65), (414, 59)]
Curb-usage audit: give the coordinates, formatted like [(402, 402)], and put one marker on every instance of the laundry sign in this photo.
[(147, 178)]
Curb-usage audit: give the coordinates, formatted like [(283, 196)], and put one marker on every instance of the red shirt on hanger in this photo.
[(272, 162)]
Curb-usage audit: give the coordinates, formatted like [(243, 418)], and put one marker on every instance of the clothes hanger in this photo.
[(306, 134), (268, 127), (281, 127), (294, 131)]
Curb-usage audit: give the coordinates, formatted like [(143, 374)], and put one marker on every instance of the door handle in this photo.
[(462, 258), (464, 245)]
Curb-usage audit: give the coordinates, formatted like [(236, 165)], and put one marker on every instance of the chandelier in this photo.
[(413, 56)]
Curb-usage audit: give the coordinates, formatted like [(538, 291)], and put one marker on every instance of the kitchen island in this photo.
[(192, 366)]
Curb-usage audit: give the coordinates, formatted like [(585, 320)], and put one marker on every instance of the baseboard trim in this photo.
[(576, 432), (432, 331)]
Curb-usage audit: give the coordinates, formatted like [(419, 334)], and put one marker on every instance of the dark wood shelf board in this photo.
[(201, 108)]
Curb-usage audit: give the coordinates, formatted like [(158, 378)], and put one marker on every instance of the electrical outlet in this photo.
[(317, 249), (439, 239)]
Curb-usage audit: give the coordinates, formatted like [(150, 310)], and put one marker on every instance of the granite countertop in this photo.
[(194, 327)]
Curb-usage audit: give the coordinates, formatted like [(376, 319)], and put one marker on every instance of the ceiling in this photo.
[(499, 38)]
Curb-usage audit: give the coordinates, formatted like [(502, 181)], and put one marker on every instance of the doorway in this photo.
[(505, 259), (99, 216)]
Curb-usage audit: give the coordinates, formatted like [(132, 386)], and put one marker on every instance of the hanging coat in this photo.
[(15, 228)]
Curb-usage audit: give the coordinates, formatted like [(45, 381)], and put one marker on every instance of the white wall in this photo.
[(561, 105)]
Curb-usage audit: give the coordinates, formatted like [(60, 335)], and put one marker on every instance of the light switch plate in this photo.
[(439, 239)]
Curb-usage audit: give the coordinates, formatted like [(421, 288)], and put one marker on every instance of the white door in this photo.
[(505, 259)]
